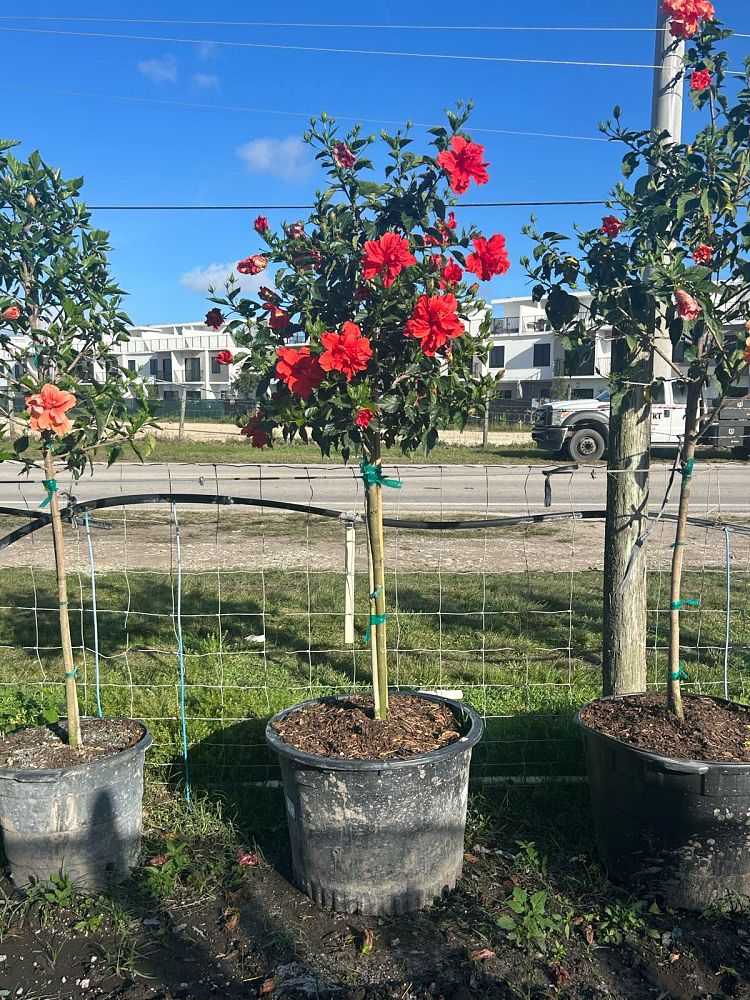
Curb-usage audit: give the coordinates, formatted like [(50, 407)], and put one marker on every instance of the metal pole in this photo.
[(728, 624), (350, 547), (183, 407), (666, 116)]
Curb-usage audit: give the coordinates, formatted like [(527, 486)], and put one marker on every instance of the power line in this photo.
[(358, 27), (273, 208), (295, 114), (311, 24), (453, 57)]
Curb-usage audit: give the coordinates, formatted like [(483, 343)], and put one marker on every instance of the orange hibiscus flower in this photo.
[(48, 409)]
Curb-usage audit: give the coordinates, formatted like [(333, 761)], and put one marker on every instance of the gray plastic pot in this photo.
[(675, 828), (378, 837), (83, 820)]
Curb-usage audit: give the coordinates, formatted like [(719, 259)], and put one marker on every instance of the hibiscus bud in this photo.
[(12, 313), (30, 200)]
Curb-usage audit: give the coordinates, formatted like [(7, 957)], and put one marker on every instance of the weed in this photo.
[(527, 922), (21, 710), (618, 922), (162, 874)]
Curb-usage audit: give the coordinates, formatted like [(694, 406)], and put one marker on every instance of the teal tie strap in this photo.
[(373, 476), (374, 620), (72, 673), (50, 486), (679, 674), (687, 469), (686, 601)]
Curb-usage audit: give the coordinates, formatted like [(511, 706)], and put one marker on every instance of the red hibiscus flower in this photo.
[(299, 370), (703, 254), (687, 306), (431, 241), (346, 352), (278, 319), (451, 274), (686, 15), (387, 256), (253, 264), (215, 318), (261, 225), (611, 226), (48, 408), (364, 417), (12, 312), (701, 80), (344, 156), (451, 220), (463, 164), (434, 322), (259, 437), (295, 230), (224, 358), (489, 258), (268, 294)]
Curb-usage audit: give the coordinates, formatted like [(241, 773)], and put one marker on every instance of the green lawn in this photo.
[(229, 451), (511, 644)]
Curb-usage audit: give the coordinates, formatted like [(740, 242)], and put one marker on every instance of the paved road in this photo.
[(718, 486)]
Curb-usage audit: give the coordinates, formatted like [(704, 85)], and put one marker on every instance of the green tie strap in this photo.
[(691, 601), (374, 620), (373, 476), (50, 486), (679, 674), (72, 673), (687, 469)]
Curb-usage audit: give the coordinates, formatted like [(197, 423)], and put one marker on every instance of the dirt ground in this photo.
[(264, 938), (241, 540)]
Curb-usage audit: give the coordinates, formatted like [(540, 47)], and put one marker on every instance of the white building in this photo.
[(180, 356)]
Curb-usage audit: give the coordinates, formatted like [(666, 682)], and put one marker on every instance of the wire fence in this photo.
[(205, 598)]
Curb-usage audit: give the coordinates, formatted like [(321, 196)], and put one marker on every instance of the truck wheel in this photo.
[(586, 445)]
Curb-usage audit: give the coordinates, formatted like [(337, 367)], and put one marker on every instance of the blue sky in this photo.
[(145, 151)]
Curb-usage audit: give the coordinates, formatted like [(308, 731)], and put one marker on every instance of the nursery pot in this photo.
[(83, 820), (675, 828), (374, 836)]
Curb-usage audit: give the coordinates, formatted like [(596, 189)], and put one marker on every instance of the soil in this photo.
[(46, 746), (711, 731), (349, 729)]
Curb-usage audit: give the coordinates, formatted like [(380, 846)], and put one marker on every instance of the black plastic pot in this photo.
[(373, 836), (83, 820), (679, 829)]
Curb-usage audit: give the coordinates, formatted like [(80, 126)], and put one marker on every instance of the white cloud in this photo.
[(159, 70), (199, 278), (288, 158), (205, 81), (207, 50)]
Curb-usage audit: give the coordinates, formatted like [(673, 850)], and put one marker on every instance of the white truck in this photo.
[(579, 428)]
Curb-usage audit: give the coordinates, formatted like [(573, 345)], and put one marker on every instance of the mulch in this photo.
[(711, 731), (348, 728), (46, 746)]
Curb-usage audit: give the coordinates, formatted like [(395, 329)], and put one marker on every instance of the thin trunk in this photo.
[(378, 628), (624, 666), (183, 407), (71, 692), (674, 694), (373, 647), (486, 424)]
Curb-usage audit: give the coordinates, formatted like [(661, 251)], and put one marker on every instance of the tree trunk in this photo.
[(486, 422), (674, 694), (624, 666), (71, 692), (374, 499), (183, 407)]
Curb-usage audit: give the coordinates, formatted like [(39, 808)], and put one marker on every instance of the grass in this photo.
[(524, 648), (240, 451)]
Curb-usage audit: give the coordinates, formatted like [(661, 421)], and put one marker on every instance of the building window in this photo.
[(167, 369), (541, 355), (170, 394), (215, 366), (193, 394), (153, 367), (131, 365), (497, 357), (192, 370), (678, 352)]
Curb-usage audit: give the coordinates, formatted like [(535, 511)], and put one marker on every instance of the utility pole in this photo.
[(625, 586), (666, 116)]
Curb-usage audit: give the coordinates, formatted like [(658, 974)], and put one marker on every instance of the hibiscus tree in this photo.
[(675, 257), (61, 320), (365, 339)]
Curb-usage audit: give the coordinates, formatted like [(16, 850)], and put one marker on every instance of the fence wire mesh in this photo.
[(204, 618)]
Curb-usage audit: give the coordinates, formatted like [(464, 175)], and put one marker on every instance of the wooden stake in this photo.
[(71, 691), (375, 533)]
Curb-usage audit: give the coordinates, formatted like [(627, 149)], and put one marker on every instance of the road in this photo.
[(718, 487)]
